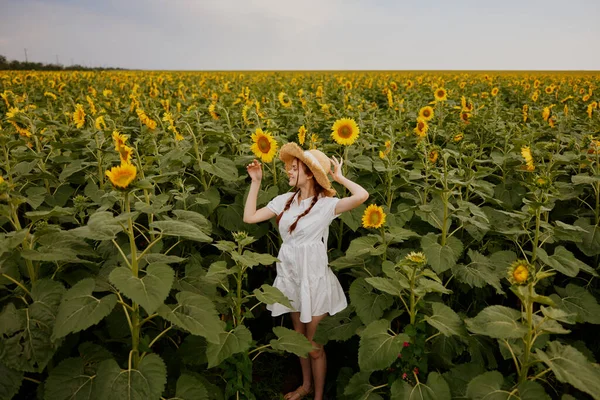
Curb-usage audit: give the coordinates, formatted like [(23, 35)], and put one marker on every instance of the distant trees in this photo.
[(5, 64)]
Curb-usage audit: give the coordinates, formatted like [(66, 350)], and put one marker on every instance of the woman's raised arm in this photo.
[(251, 215)]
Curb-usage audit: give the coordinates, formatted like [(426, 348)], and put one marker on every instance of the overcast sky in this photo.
[(305, 34)]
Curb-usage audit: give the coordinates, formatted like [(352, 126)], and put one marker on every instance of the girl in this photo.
[(303, 274)]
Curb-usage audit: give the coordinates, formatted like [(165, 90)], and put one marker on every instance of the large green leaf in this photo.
[(393, 287), (441, 258), (196, 314), (79, 309), (27, 342), (530, 390), (436, 388), (459, 377), (69, 381), (291, 341), (590, 244), (565, 262), (378, 349), (223, 167), (190, 388), (10, 382), (359, 387), (571, 366), (150, 291), (147, 382), (368, 305), (339, 327), (11, 240), (183, 229), (576, 300), (445, 320), (102, 225), (478, 273), (498, 322), (487, 386), (268, 294), (235, 341)]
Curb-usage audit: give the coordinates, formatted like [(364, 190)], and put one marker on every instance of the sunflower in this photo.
[(348, 85), (519, 272), (79, 116), (552, 121), (542, 182), (100, 124), (426, 113), (301, 134), (263, 146), (50, 94), (440, 94), (212, 111), (524, 112), (416, 257), (421, 128), (526, 153), (394, 86), (345, 131), (494, 91), (119, 139), (409, 84), (373, 217), (546, 113), (284, 100), (433, 156), (535, 96), (462, 85), (549, 89), (464, 117), (458, 137), (122, 175), (125, 153)]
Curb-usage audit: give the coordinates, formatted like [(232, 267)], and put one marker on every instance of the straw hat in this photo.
[(318, 163)]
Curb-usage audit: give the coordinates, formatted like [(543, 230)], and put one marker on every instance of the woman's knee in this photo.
[(317, 352)]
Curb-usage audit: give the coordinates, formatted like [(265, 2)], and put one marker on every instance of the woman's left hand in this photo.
[(337, 169)]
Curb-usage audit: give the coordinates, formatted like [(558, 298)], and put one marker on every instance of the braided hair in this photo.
[(318, 190)]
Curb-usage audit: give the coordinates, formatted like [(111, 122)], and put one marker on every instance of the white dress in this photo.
[(303, 273)]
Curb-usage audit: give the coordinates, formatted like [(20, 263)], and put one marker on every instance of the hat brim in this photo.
[(291, 150)]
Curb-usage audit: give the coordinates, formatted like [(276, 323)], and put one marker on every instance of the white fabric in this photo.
[(303, 274)]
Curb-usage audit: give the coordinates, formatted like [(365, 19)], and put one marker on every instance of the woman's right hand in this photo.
[(255, 170)]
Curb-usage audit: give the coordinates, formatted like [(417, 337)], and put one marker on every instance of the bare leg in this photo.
[(318, 359), (300, 327)]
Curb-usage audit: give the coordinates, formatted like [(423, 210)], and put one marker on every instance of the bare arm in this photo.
[(251, 215), (358, 194)]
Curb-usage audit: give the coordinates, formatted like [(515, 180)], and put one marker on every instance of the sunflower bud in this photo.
[(519, 272)]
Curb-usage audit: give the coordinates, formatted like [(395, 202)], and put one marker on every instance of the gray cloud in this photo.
[(309, 34)]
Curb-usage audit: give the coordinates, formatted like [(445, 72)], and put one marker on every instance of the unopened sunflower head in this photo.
[(416, 257), (519, 272)]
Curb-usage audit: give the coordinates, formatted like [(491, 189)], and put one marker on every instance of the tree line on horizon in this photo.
[(6, 64)]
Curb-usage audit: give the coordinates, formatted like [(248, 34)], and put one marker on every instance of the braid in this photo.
[(318, 191), (287, 205)]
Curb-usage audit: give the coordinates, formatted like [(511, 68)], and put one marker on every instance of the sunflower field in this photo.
[(126, 271)]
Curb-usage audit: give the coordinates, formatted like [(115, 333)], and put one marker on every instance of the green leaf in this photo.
[(487, 386), (576, 300), (195, 314), (565, 262), (223, 167), (459, 377), (147, 382), (445, 320), (378, 349), (55, 212), (393, 287), (530, 390), (268, 294), (193, 218), (150, 291), (181, 229), (79, 309), (362, 245), (368, 305), (498, 322), (441, 258), (11, 240), (68, 380), (27, 344), (190, 388), (338, 327), (572, 367), (102, 225), (10, 381), (158, 258), (291, 341), (359, 387), (559, 314), (590, 245), (193, 350), (353, 218), (235, 341), (478, 273), (435, 389)]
